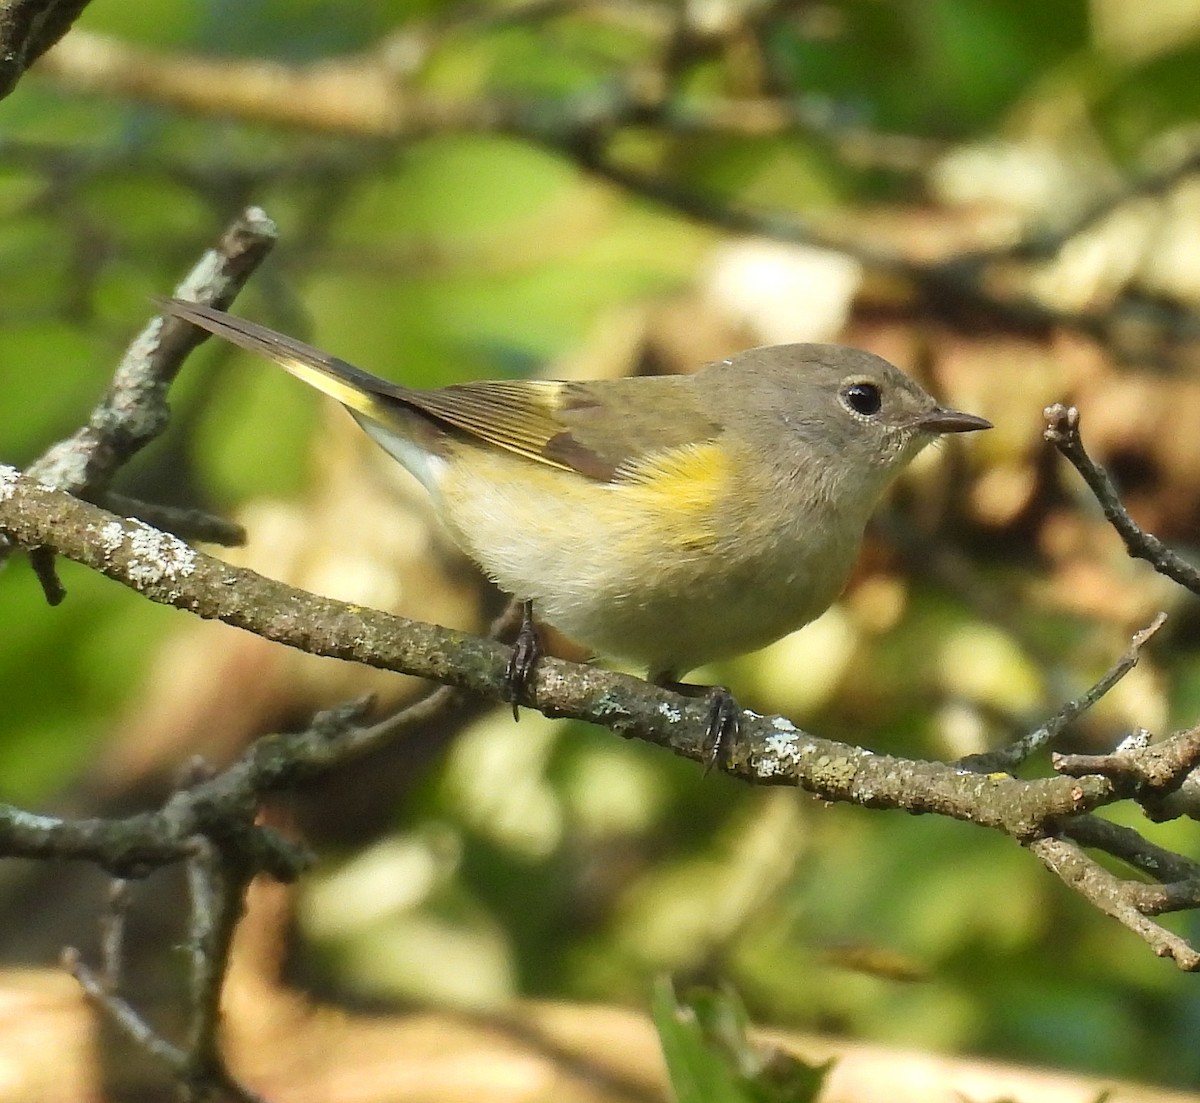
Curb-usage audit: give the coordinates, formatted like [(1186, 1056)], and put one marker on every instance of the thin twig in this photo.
[(188, 524), (135, 411), (112, 933), (1046, 243), (122, 1012), (1112, 896), (217, 881), (1009, 757), (1125, 844), (1062, 430), (41, 560), (215, 1081)]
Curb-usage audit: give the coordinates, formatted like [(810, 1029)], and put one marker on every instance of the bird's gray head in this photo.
[(856, 414)]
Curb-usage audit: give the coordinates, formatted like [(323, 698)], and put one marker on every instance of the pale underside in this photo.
[(659, 574)]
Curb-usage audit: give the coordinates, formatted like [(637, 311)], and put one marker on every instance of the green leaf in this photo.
[(698, 1072), (711, 1058)]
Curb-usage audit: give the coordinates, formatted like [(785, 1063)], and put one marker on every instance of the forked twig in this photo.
[(1113, 896)]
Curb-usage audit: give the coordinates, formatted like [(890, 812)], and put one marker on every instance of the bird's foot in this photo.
[(527, 650), (724, 719), (724, 725)]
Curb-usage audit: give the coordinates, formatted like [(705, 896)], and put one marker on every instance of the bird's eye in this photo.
[(863, 398)]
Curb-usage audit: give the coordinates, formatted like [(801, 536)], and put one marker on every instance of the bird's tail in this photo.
[(358, 390)]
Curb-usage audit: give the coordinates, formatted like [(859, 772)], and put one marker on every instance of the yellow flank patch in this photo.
[(688, 480), (328, 382)]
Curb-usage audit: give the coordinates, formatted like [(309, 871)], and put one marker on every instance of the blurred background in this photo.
[(1001, 197)]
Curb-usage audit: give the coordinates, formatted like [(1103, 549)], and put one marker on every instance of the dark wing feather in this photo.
[(518, 415), (600, 430)]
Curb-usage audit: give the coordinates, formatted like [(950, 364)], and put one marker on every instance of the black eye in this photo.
[(863, 398)]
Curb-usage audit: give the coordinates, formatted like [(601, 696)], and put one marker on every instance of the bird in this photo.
[(668, 521)]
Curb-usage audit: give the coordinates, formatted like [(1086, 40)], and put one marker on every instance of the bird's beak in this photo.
[(941, 420)]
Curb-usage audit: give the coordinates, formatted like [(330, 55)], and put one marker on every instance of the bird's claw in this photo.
[(526, 651), (724, 725)]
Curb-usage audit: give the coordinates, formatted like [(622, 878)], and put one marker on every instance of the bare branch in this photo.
[(1114, 897), (372, 95), (134, 411), (112, 933), (771, 750), (217, 880), (1153, 775), (1062, 430), (1008, 758), (41, 559), (1045, 243), (190, 524), (121, 1012), (28, 28), (212, 1083), (1127, 845)]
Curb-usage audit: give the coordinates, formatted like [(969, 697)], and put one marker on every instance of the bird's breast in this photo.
[(670, 566)]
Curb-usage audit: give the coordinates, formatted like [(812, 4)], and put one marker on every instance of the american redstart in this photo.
[(669, 520)]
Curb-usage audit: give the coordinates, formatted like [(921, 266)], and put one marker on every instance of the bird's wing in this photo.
[(608, 431)]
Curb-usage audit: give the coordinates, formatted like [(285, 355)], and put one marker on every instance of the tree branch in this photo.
[(1062, 430), (135, 411), (28, 28), (770, 751), (373, 95), (1020, 750), (1115, 897)]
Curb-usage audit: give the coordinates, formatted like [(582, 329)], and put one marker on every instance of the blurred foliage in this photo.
[(710, 1058), (549, 859)]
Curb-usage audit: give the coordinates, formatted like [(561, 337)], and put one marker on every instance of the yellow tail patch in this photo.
[(345, 390)]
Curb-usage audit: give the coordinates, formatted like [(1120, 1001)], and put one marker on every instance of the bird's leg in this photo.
[(527, 649), (724, 714)]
